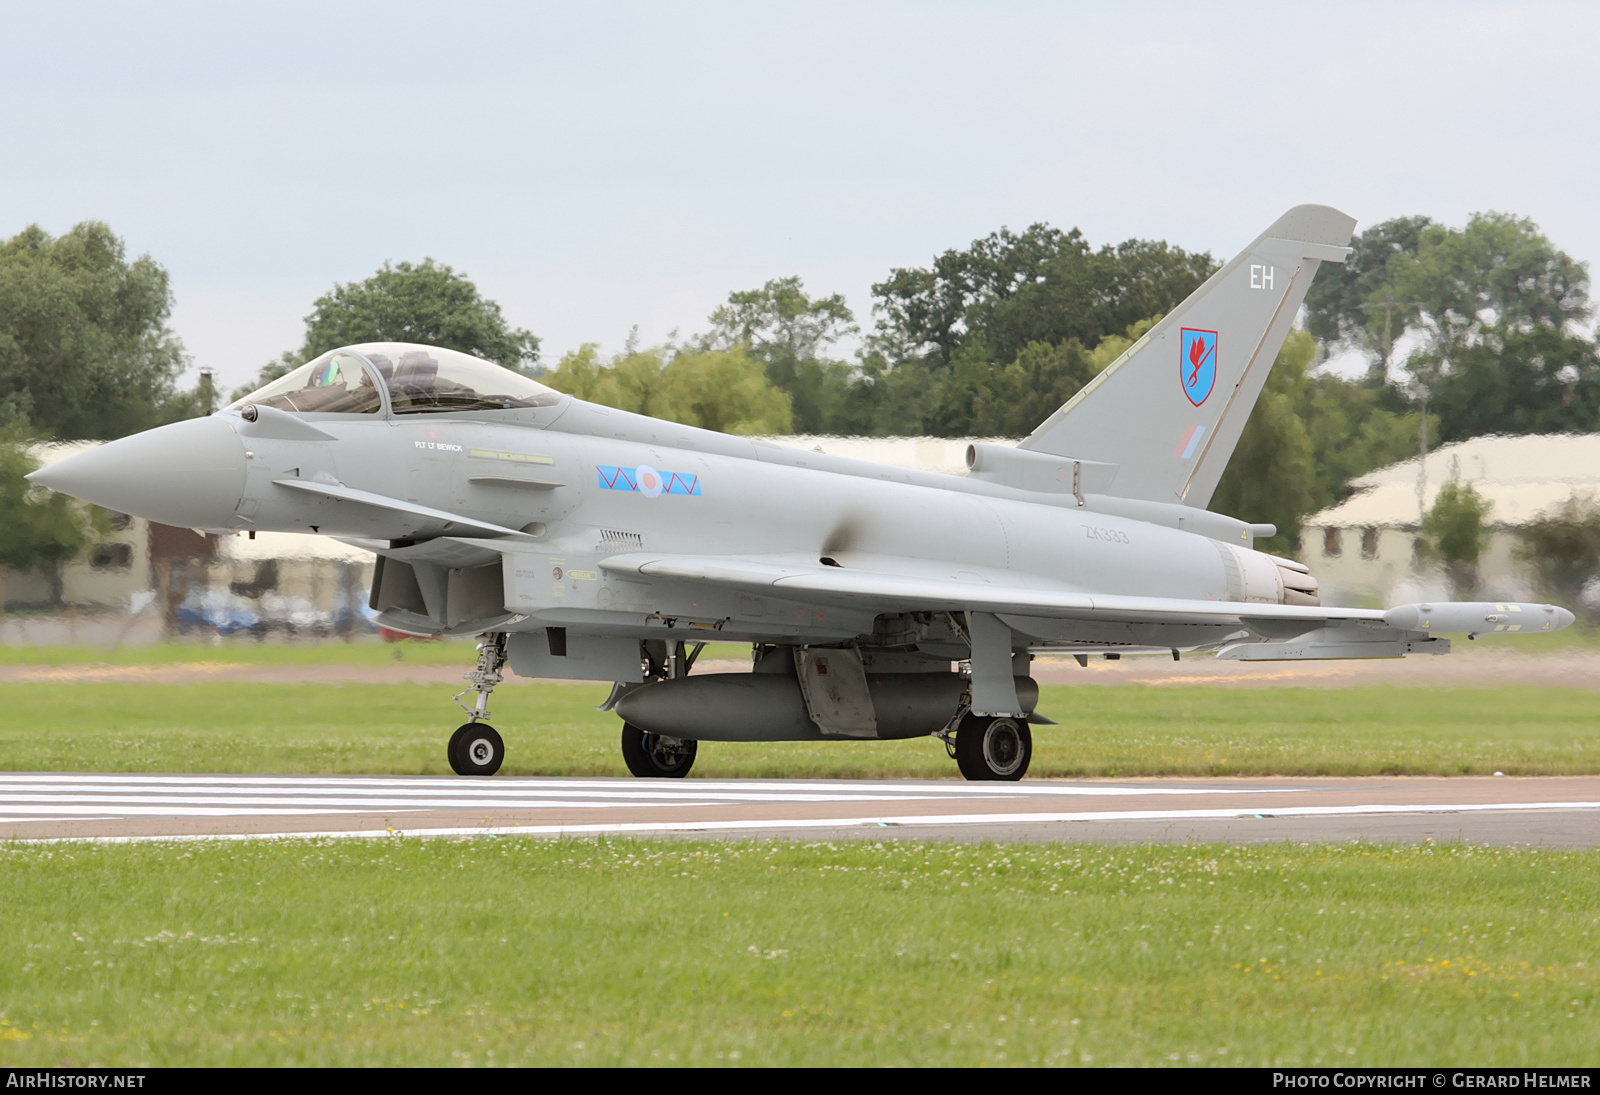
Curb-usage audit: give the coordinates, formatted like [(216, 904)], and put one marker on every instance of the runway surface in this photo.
[(1546, 811)]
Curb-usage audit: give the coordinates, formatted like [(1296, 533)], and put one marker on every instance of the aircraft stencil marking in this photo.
[(518, 457), (1198, 367), (647, 481), (889, 578)]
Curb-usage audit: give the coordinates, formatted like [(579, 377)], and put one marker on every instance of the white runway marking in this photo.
[(264, 804), (721, 788), (42, 796)]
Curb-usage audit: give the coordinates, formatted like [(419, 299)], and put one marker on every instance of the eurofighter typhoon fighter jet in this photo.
[(581, 542)]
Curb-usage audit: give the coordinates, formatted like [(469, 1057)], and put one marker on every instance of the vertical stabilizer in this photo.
[(1169, 412)]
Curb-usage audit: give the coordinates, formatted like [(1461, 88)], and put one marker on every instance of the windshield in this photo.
[(419, 379), (429, 380), (334, 382)]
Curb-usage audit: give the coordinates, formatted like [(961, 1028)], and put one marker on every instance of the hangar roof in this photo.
[(1524, 478)]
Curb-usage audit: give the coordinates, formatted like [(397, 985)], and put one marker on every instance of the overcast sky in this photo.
[(598, 166)]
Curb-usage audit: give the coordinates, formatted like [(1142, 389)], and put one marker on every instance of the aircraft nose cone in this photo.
[(1564, 618), (189, 474)]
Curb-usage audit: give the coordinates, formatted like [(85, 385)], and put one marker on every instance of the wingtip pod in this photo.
[(1478, 618)]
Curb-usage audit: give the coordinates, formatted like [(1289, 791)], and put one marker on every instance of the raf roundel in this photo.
[(1197, 364), (649, 481)]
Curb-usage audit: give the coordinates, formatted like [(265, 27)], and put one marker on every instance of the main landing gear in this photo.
[(648, 754), (993, 747), (476, 749), (989, 747)]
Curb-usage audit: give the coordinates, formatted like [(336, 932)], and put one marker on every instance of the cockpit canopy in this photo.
[(418, 380)]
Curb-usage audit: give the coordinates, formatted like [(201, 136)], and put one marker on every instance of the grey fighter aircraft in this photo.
[(581, 542)]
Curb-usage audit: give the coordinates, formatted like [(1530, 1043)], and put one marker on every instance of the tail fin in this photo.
[(1169, 412)]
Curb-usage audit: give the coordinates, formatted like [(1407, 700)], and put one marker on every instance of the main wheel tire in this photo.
[(996, 748), (476, 750), (650, 755)]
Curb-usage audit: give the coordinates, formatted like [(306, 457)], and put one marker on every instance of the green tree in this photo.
[(924, 312), (724, 390), (1500, 272), (1043, 285), (1497, 306), (428, 303), (889, 401), (1500, 269), (1564, 549), (779, 322), (626, 382), (1354, 303), (39, 529), (85, 351), (199, 401), (1353, 429), (1518, 381), (976, 395), (1455, 532), (789, 332), (978, 398)]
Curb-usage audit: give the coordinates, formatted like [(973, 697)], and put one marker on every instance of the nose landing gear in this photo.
[(476, 749)]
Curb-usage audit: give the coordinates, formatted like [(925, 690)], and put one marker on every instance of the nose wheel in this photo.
[(476, 749)]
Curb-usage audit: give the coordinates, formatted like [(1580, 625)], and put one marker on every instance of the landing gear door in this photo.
[(558, 653), (834, 684)]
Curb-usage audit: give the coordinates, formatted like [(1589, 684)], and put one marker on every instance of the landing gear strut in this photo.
[(649, 755), (476, 749)]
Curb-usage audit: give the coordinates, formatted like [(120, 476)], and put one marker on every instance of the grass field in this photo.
[(553, 729), (488, 951)]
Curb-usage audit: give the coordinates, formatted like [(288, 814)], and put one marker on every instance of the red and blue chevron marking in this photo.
[(628, 479)]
